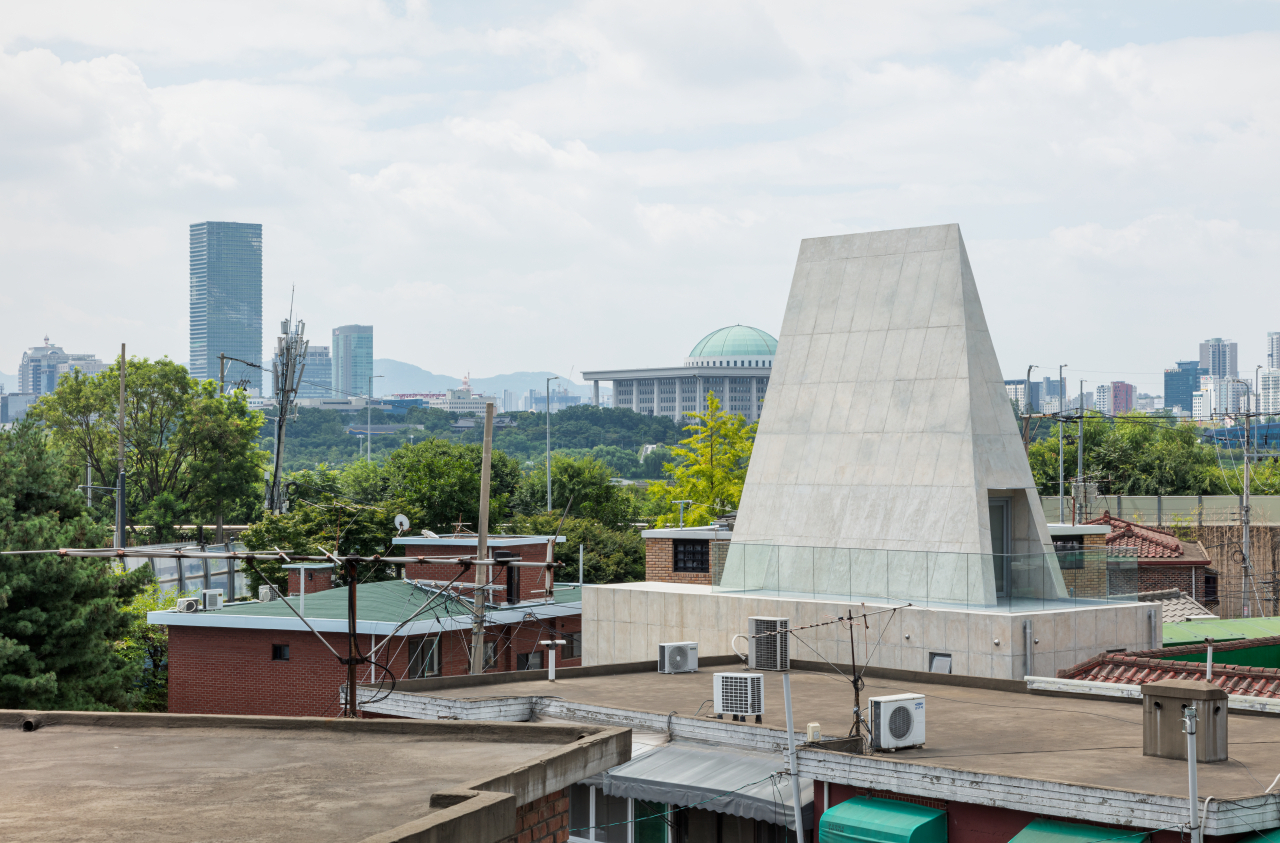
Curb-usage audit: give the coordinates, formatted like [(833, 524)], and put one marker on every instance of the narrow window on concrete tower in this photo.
[(999, 508)]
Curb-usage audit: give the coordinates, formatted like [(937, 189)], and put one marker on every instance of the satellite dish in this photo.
[(402, 523)]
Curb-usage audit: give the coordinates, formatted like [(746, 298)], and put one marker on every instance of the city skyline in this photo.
[(568, 165)]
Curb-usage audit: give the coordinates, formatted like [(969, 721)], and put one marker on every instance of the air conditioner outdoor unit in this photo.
[(188, 605), (739, 693), (679, 657), (768, 651), (897, 721), (212, 599), (266, 594)]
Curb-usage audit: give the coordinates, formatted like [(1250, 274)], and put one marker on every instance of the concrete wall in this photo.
[(626, 622)]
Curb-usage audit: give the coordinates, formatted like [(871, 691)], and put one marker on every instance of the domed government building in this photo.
[(733, 362)]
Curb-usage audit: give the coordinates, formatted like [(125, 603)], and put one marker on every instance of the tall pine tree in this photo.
[(60, 617)]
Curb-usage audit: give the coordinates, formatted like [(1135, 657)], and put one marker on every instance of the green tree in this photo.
[(609, 555), (583, 484), (145, 647), (182, 439), (321, 519), (1132, 455), (60, 616), (711, 468), (436, 483)]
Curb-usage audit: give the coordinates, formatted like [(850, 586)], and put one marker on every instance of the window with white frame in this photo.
[(424, 657), (596, 818)]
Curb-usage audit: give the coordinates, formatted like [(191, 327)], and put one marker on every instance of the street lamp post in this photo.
[(548, 409), (1062, 408), (368, 420)]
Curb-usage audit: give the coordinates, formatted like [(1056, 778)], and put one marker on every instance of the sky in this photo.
[(536, 185)]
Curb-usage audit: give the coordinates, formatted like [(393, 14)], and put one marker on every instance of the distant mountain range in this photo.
[(398, 377), (10, 382)]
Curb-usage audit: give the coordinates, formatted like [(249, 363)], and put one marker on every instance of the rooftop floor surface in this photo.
[(1085, 741), (73, 782)]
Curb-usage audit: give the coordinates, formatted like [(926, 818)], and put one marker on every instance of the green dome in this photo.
[(735, 341)]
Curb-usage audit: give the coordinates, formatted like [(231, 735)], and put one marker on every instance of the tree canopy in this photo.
[(188, 450), (59, 616), (710, 468)]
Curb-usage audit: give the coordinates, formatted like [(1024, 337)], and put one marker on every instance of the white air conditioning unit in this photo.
[(739, 693), (266, 594), (897, 721), (768, 651), (212, 599), (188, 605), (679, 657)]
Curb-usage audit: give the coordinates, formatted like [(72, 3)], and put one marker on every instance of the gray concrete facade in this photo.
[(888, 425)]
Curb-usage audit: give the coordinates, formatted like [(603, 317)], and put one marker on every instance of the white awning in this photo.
[(744, 784)]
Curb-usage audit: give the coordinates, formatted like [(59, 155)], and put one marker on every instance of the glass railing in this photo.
[(970, 581)]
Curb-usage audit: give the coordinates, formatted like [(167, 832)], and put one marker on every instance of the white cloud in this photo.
[(610, 181)]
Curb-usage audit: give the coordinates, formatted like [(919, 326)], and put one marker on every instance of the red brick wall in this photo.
[(1158, 578), (544, 820), (230, 671), (659, 563), (320, 579), (533, 581)]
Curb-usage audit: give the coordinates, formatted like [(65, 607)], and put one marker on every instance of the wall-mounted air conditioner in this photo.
[(678, 657), (739, 693), (189, 605), (897, 721), (768, 648), (211, 599)]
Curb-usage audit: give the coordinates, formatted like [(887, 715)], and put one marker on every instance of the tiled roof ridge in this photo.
[(1121, 528), (1140, 669)]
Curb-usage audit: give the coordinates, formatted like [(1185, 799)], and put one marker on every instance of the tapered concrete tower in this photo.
[(887, 424)]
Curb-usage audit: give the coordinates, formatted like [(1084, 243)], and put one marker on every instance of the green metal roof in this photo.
[(865, 819), (1236, 629), (389, 602), (735, 341), (1041, 830)]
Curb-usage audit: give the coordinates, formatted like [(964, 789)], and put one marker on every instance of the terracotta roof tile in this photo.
[(1141, 667), (1139, 540)]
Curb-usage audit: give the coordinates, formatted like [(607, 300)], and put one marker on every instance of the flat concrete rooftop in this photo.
[(1085, 741), (104, 777)]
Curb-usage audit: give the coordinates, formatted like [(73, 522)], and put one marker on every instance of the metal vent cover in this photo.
[(900, 722)]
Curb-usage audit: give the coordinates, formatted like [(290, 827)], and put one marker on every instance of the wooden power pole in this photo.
[(482, 549)]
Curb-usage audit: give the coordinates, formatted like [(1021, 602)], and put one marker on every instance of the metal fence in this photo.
[(1173, 510), (186, 575)]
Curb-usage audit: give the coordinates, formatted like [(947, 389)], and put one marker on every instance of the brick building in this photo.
[(524, 583), (692, 555), (1141, 558), (258, 658)]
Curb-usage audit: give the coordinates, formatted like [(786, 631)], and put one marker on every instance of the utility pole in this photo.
[(287, 369), (482, 548), (548, 408), (1244, 513), (1078, 514), (353, 574), (121, 509), (368, 420), (1062, 408), (222, 373), (1026, 419)]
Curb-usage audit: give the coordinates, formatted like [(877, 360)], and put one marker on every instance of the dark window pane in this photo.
[(580, 810), (279, 652), (691, 555), (651, 824), (611, 818)]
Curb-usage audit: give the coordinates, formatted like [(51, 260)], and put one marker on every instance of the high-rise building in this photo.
[(1121, 397), (352, 352), (1102, 398), (1017, 390), (1181, 383), (40, 367), (1218, 397), (1219, 357), (1269, 392), (1273, 349), (226, 300)]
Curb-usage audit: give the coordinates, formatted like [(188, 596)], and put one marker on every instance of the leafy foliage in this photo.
[(710, 470), (609, 555), (145, 647), (1135, 455), (581, 484), (189, 450), (59, 616)]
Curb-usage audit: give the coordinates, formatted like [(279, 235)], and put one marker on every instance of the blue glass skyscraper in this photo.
[(226, 300)]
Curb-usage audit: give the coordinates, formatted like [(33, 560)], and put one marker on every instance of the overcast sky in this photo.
[(537, 185)]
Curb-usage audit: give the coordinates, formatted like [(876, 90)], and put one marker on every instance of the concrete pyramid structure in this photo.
[(887, 424)]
